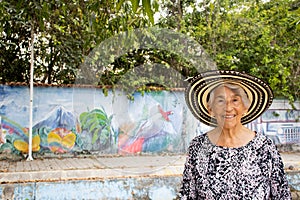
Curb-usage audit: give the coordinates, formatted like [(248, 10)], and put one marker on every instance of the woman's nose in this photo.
[(229, 106)]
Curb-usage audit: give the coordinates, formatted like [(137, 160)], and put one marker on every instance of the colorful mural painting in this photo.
[(64, 122), (153, 124), (68, 120), (282, 125)]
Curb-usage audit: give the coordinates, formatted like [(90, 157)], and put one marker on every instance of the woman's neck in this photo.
[(231, 132), (236, 137)]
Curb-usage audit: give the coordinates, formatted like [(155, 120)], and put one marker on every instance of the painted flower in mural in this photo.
[(58, 131), (61, 140), (23, 146), (96, 129), (15, 137), (135, 138)]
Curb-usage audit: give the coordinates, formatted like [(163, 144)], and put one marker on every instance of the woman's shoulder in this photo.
[(196, 144), (198, 141), (199, 138), (263, 139), (264, 143)]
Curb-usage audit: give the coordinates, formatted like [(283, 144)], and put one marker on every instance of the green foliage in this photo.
[(252, 36), (148, 10), (57, 29), (97, 123), (65, 32), (147, 7)]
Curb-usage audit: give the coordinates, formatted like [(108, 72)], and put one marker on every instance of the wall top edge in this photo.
[(153, 88)]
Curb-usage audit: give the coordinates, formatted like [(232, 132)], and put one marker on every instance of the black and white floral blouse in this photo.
[(254, 171)]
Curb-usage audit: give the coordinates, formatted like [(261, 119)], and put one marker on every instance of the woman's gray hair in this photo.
[(236, 89)]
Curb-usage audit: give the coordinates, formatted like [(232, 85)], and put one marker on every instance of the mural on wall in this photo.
[(154, 124), (281, 125), (97, 133), (56, 133), (68, 120), (14, 138), (58, 130)]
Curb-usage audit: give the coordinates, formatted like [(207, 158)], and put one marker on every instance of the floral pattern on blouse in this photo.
[(254, 171)]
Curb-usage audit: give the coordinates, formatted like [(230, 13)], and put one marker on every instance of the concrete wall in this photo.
[(69, 120), (83, 120), (129, 188), (143, 188)]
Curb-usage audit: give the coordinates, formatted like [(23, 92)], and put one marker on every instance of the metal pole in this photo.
[(31, 94)]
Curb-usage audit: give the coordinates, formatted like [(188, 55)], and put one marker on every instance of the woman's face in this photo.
[(227, 107)]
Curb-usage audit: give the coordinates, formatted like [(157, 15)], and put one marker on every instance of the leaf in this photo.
[(102, 119), (98, 111), (135, 5), (105, 91), (95, 136), (104, 136), (110, 119), (155, 6), (119, 4), (148, 10), (93, 126), (89, 123), (83, 117)]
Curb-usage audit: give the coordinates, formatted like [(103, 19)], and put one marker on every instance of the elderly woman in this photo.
[(231, 161)]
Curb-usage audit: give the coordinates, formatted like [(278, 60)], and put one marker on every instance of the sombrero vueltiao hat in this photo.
[(197, 93)]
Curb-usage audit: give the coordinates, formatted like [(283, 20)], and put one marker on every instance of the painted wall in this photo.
[(157, 188), (68, 120), (165, 188)]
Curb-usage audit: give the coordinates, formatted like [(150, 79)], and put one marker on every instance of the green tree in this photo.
[(252, 36), (58, 45), (65, 32), (255, 37)]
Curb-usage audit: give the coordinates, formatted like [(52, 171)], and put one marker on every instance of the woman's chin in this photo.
[(228, 124)]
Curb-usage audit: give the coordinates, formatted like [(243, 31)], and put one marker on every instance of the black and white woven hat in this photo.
[(197, 93)]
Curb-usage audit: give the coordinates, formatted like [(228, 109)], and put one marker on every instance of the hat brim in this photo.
[(196, 94)]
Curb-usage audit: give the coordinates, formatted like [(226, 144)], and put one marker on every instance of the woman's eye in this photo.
[(220, 101), (236, 101)]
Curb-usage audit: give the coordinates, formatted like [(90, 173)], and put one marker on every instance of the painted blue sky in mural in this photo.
[(14, 104)]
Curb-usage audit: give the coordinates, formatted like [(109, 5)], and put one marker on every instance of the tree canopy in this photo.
[(257, 37)]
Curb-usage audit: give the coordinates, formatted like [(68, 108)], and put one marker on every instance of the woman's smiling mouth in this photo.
[(228, 116)]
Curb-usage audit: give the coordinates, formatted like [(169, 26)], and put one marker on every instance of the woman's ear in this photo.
[(210, 111), (245, 112)]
